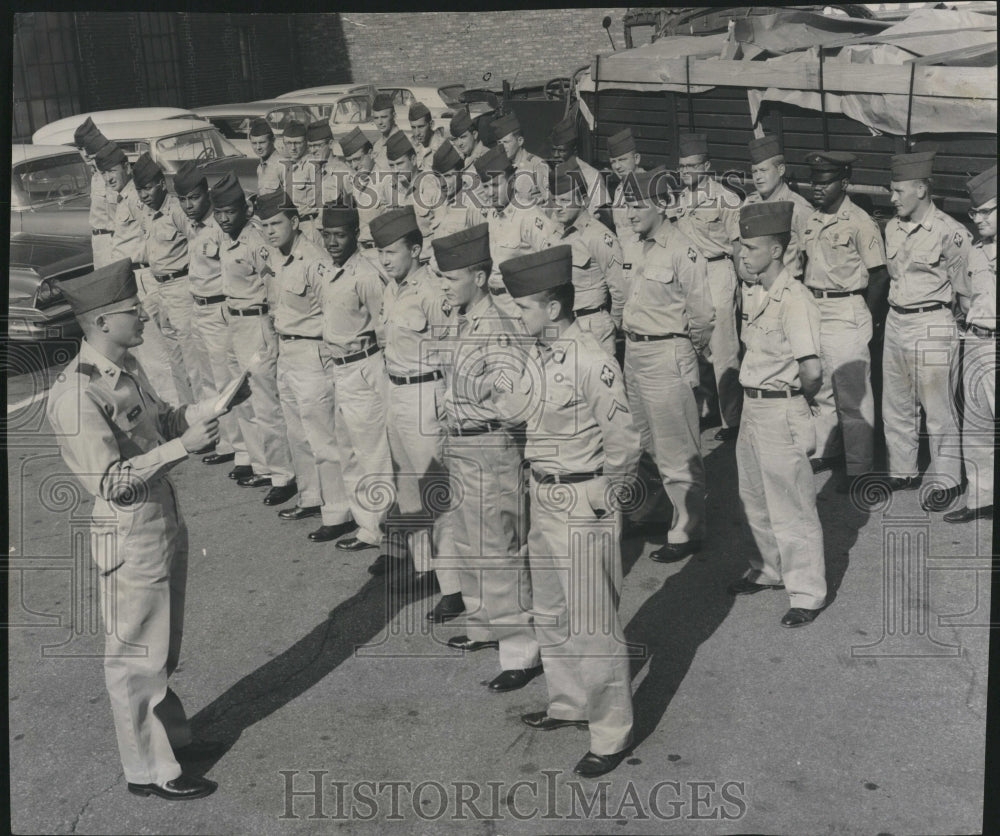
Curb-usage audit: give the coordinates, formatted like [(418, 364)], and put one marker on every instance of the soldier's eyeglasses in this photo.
[(981, 214)]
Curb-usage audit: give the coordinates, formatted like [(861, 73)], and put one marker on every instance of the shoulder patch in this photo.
[(609, 240), (692, 254), (958, 239), (263, 253), (607, 376), (539, 224), (446, 307)]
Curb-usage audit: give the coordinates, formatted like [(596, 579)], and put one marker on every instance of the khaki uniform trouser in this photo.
[(414, 421), (490, 530), (846, 420), (305, 388), (210, 331), (100, 246), (979, 377), (724, 365), (576, 576), (159, 355), (256, 347), (779, 497), (143, 564), (919, 364), (659, 380), (364, 444)]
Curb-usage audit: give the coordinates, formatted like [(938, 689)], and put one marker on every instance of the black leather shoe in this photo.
[(513, 679), (902, 483), (967, 514), (940, 499), (354, 544), (449, 607), (218, 458), (465, 643), (331, 532), (673, 552), (300, 513), (280, 494), (241, 471), (798, 617), (254, 481), (200, 750), (593, 766), (415, 583), (821, 464), (727, 434), (744, 586), (540, 720), (185, 788)]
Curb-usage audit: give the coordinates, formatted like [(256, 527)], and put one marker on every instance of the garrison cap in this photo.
[(830, 165), (260, 127), (564, 132), (270, 204), (493, 163), (85, 128), (398, 146), (567, 180), (655, 185), (227, 191), (294, 130), (766, 218), (764, 148), (354, 142), (535, 272), (506, 124), (318, 130), (418, 110), (392, 225), (108, 156), (106, 286), (145, 171), (189, 177), (692, 145), (335, 216), (383, 101), (94, 142), (621, 143), (983, 187), (917, 166), (446, 159), (460, 123), (463, 248)]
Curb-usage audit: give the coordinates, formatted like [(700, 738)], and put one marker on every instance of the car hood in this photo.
[(70, 217), (36, 257)]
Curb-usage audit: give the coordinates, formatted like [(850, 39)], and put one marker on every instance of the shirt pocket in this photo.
[(581, 256), (927, 256), (165, 234), (210, 249), (411, 319), (659, 273)]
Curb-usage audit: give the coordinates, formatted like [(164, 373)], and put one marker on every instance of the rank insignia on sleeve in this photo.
[(539, 224), (616, 407), (607, 376), (266, 271), (692, 254), (503, 383)]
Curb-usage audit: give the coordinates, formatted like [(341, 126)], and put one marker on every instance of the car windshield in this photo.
[(351, 111), (450, 94), (279, 118), (207, 144), (49, 178)]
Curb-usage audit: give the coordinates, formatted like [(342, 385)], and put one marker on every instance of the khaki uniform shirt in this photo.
[(305, 176), (782, 329), (619, 213), (351, 298), (379, 153), (801, 210), (983, 285), (928, 259), (425, 153), (204, 241), (246, 268), (667, 287), (709, 215), (165, 231), (295, 287), (841, 248), (516, 231), (128, 240), (535, 176), (101, 210), (597, 190), (597, 265), (271, 173), (415, 318)]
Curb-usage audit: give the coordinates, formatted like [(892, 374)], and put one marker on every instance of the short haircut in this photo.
[(782, 238), (564, 294), (413, 238), (486, 266)]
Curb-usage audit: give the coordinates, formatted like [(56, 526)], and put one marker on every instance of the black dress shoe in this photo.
[(331, 532), (218, 458), (728, 434), (254, 481), (967, 514), (940, 499), (513, 679), (449, 607), (241, 471), (540, 720), (673, 552), (593, 766), (300, 512), (354, 544), (200, 750), (280, 494), (465, 643), (744, 586), (798, 617), (902, 483), (821, 464), (184, 788), (415, 583)]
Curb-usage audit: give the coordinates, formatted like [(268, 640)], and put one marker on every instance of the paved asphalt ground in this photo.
[(871, 720)]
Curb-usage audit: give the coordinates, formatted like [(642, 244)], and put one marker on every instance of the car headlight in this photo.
[(47, 294)]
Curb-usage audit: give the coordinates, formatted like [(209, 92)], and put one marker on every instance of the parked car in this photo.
[(44, 134), (37, 309), (49, 191), (324, 90), (233, 120)]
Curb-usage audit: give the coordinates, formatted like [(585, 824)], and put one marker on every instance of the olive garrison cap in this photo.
[(227, 191), (446, 159), (145, 171), (564, 132), (354, 142), (764, 148), (94, 142), (340, 216), (189, 177), (917, 166), (294, 130), (766, 218), (398, 146), (692, 145), (506, 124), (270, 204), (460, 123), (418, 110), (318, 130), (493, 163), (383, 101), (86, 127), (830, 165), (106, 286), (260, 127), (621, 143), (392, 225), (983, 187), (463, 248), (640, 186), (536, 272), (108, 156)]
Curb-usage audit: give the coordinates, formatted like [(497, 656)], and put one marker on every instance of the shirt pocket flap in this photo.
[(210, 249), (413, 319), (296, 284), (927, 253), (658, 273), (581, 255), (165, 233)]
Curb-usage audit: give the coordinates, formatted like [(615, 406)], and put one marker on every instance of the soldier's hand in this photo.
[(242, 394), (201, 435)]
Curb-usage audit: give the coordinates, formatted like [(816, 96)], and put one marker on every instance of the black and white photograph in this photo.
[(502, 420)]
